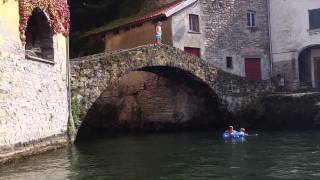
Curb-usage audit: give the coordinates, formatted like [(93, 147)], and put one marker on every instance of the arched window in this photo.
[(39, 42)]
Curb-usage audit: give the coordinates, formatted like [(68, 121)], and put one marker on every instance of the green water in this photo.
[(198, 156)]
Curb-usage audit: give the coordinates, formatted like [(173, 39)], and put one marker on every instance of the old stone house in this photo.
[(33, 76), (295, 37), (231, 34)]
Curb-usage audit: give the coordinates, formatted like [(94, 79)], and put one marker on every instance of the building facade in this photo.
[(33, 76), (236, 36), (295, 40), (231, 34)]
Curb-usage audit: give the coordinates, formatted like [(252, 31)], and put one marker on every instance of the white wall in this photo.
[(181, 35), (290, 34), (33, 94), (290, 25)]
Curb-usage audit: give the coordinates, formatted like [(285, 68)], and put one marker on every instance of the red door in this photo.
[(253, 68), (193, 51)]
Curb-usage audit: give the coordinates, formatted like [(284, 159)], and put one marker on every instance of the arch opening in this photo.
[(309, 68), (154, 99), (39, 36)]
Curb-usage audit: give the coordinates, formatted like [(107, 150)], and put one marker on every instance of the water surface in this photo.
[(198, 156)]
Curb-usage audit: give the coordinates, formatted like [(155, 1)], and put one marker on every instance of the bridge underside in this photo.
[(158, 98)]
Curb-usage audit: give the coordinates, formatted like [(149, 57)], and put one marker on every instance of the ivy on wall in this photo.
[(57, 10)]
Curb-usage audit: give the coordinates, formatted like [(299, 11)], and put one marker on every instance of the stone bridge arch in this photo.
[(91, 75)]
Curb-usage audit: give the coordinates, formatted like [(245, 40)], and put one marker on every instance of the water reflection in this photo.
[(178, 156), (235, 140)]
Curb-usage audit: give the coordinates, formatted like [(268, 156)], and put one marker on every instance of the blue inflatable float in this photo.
[(233, 135)]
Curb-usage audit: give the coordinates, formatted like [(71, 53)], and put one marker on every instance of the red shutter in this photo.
[(193, 51), (253, 69)]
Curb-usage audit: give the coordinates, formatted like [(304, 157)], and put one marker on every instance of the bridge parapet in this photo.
[(91, 75)]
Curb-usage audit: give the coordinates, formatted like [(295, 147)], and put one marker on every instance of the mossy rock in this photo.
[(282, 112)]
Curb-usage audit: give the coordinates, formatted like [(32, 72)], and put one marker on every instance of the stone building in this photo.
[(231, 34), (140, 30), (33, 76), (236, 36), (295, 37)]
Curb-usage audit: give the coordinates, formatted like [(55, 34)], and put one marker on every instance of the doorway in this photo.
[(253, 68), (316, 61)]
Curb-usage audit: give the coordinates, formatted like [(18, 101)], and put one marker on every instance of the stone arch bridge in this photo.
[(92, 75)]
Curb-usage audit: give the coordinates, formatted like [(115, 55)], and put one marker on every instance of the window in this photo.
[(116, 31), (229, 62), (314, 19), (193, 51), (251, 19), (194, 23), (39, 41), (217, 4)]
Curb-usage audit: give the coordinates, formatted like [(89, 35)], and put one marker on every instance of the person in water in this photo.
[(230, 131), (242, 132)]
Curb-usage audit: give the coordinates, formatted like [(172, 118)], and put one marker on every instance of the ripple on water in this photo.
[(201, 156)]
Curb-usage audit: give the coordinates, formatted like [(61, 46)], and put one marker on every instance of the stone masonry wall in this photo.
[(155, 99), (91, 75), (226, 34), (33, 100)]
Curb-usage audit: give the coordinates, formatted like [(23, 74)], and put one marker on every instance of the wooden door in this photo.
[(317, 72), (193, 51), (253, 68)]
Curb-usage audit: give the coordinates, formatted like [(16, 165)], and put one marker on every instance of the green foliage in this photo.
[(90, 14), (76, 112), (87, 14), (82, 46)]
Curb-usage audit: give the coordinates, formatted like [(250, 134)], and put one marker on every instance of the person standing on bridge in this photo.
[(158, 32)]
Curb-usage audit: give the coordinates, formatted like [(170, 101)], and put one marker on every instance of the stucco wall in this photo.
[(138, 36), (226, 34), (290, 34), (182, 36), (9, 22), (33, 94)]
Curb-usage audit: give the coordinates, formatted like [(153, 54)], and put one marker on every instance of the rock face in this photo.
[(299, 111), (149, 101)]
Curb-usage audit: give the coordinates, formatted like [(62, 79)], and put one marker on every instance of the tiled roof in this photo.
[(139, 19), (161, 11)]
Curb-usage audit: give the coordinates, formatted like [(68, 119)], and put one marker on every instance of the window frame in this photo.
[(229, 62), (191, 50), (251, 18), (194, 23), (316, 26)]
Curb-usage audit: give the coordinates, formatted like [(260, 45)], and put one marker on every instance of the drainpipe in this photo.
[(270, 38), (71, 127)]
